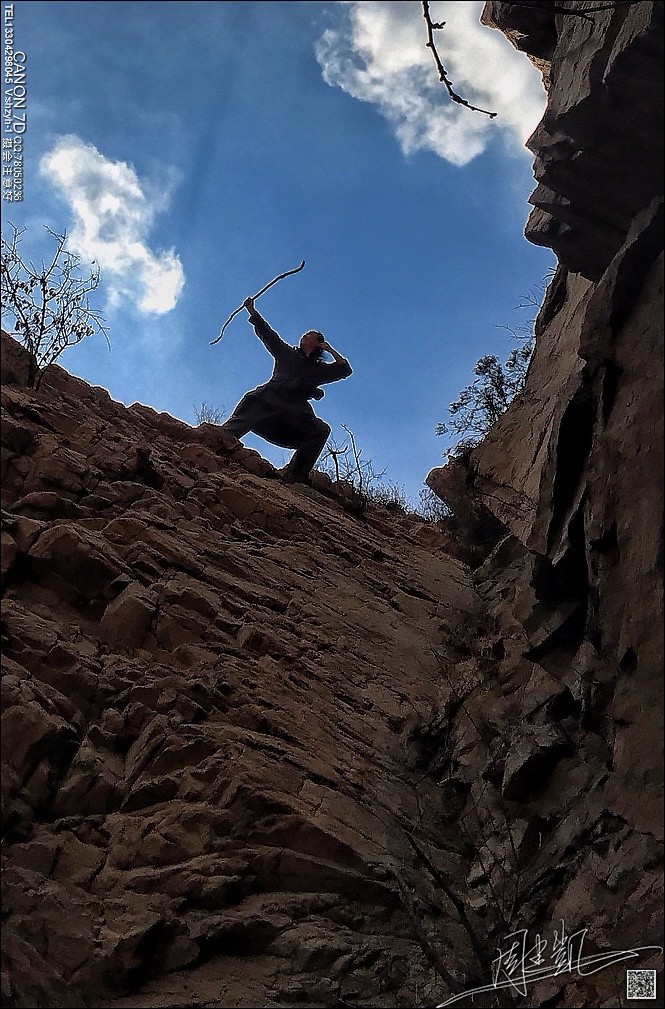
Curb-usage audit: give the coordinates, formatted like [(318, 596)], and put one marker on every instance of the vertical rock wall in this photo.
[(574, 473)]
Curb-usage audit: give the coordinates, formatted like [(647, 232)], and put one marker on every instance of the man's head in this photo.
[(311, 342)]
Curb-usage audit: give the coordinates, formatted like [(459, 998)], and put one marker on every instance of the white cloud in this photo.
[(113, 214), (378, 55)]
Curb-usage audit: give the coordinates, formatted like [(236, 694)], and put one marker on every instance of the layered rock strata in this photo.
[(213, 690)]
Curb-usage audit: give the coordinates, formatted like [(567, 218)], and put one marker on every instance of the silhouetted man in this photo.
[(279, 411)]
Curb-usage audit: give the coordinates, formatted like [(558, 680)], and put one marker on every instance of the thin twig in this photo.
[(455, 901), (443, 76), (356, 457), (427, 948), (263, 290), (334, 453)]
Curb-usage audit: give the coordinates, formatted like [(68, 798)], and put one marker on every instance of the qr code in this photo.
[(640, 984)]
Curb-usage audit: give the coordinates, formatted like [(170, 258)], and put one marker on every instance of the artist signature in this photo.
[(521, 962)]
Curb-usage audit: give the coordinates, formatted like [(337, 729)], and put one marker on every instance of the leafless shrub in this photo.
[(345, 465), (49, 306), (206, 414)]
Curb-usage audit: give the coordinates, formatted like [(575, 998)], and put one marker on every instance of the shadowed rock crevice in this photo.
[(575, 438)]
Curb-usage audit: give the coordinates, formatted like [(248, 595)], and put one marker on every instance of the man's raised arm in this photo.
[(271, 340)]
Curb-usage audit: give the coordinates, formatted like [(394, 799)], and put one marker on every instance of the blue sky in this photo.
[(196, 150)]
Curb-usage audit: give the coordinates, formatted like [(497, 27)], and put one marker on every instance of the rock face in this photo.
[(574, 473), (599, 147), (215, 690), (261, 750)]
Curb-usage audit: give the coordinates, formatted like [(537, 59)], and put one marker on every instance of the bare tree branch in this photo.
[(431, 954), (50, 308), (263, 290), (206, 414), (443, 76), (452, 897)]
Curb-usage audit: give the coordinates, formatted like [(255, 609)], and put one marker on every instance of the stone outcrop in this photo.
[(263, 748), (599, 147), (574, 470)]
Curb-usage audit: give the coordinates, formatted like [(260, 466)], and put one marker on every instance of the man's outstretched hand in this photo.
[(248, 303)]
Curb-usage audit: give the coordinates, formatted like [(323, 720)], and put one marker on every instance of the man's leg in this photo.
[(237, 426), (307, 452), (244, 417)]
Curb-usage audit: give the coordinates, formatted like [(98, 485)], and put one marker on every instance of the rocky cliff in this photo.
[(260, 749)]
